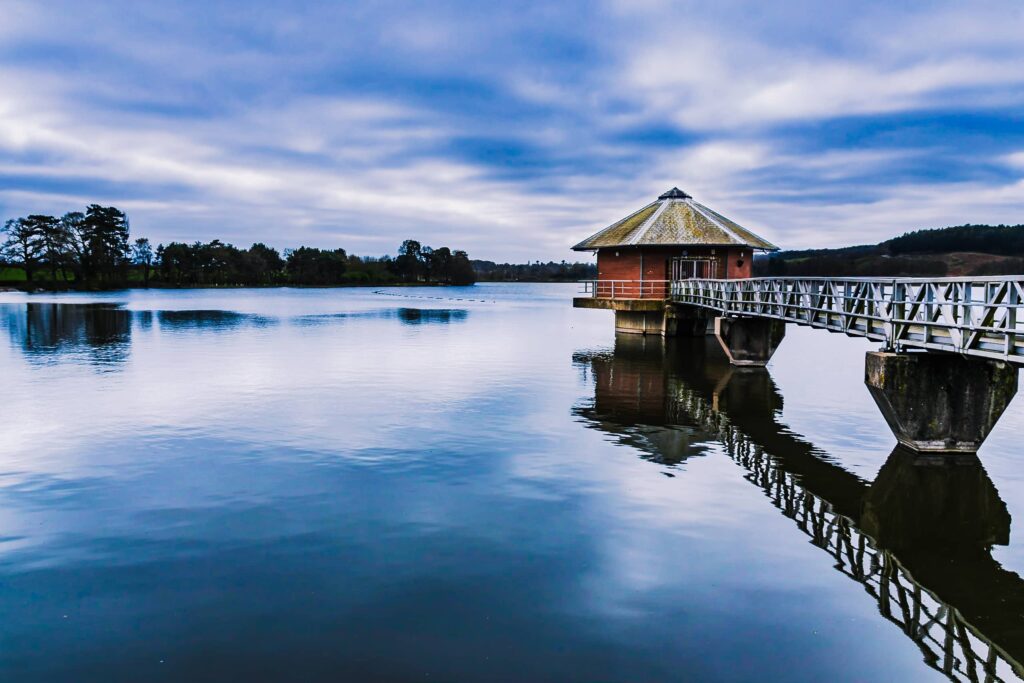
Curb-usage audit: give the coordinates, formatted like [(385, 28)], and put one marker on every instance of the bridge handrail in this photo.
[(626, 289), (857, 278), (975, 316)]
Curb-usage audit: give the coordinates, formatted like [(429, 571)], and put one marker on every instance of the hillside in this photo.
[(950, 252)]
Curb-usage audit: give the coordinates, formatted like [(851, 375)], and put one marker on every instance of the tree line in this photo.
[(94, 249), (534, 272), (957, 250), (1005, 240)]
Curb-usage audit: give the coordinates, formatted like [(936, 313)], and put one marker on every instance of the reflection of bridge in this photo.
[(918, 538)]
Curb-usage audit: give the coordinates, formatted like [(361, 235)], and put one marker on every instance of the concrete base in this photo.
[(749, 341), (685, 321), (640, 322), (652, 305), (939, 402), (668, 321)]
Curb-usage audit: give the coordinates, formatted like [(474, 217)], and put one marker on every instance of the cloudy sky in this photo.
[(511, 130)]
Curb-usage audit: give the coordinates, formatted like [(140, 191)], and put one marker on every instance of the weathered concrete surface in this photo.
[(651, 316), (685, 321), (640, 322), (749, 341), (619, 304), (939, 402)]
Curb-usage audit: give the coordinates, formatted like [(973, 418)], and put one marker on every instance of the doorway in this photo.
[(684, 268)]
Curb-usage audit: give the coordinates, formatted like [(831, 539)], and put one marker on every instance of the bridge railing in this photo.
[(626, 289), (973, 316)]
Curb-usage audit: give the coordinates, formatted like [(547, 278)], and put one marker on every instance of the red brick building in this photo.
[(672, 238)]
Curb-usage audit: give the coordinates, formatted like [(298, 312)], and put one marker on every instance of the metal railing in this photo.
[(627, 289), (971, 316)]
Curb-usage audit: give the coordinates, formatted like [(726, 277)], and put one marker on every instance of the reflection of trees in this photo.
[(44, 331), (918, 538), (418, 316), (212, 320)]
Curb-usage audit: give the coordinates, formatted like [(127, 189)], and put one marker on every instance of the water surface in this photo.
[(473, 484)]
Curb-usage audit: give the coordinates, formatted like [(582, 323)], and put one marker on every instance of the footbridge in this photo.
[(950, 347), (969, 316)]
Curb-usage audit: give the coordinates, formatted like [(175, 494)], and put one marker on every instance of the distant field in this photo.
[(11, 274)]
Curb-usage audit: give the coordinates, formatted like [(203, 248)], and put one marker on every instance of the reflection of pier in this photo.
[(918, 538)]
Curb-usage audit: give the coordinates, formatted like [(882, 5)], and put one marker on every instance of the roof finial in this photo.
[(675, 193)]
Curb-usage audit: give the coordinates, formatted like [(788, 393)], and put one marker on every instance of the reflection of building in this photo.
[(631, 395), (918, 539)]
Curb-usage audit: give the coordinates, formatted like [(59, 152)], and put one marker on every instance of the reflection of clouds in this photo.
[(410, 480)]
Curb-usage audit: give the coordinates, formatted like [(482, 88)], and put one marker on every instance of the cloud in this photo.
[(510, 134)]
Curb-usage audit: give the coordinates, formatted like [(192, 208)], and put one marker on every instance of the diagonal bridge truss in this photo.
[(969, 316)]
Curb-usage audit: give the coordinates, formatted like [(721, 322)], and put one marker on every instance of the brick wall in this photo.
[(625, 263), (740, 262)]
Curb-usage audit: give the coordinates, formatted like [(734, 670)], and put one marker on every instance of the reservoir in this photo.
[(475, 484)]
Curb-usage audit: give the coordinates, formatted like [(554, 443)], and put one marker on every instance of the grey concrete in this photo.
[(667, 321), (939, 402), (619, 304), (749, 341), (640, 322), (685, 321)]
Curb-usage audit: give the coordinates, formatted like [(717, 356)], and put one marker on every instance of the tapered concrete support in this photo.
[(939, 402), (749, 341)]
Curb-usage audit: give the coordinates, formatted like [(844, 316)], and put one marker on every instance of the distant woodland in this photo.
[(534, 272), (954, 251), (94, 250)]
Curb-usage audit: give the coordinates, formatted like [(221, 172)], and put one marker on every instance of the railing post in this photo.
[(897, 313), (1012, 302)]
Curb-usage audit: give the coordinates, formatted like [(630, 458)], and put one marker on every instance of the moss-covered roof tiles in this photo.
[(674, 219)]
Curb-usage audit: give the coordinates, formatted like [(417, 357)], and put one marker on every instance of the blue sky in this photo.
[(511, 130)]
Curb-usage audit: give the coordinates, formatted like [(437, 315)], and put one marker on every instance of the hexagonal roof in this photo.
[(674, 219)]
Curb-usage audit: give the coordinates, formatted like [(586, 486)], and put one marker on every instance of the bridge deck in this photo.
[(971, 316)]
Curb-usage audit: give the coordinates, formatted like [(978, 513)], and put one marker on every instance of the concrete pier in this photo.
[(652, 316), (939, 402), (749, 341), (640, 322)]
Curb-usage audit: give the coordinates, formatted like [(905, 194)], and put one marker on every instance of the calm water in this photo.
[(473, 484)]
